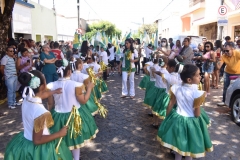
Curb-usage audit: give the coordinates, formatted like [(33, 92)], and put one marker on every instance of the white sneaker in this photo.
[(20, 100), (221, 104), (11, 107), (17, 104)]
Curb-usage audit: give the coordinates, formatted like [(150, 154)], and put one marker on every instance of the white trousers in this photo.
[(124, 84)]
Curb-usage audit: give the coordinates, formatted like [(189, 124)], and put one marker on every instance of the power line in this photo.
[(164, 8), (93, 10)]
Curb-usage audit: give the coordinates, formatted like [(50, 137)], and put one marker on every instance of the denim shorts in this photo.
[(208, 69)]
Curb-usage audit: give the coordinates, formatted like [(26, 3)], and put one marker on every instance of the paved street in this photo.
[(127, 134)]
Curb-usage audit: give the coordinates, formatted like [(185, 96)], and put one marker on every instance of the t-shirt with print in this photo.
[(10, 66)]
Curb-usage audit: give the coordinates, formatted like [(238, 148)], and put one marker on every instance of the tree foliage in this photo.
[(5, 20), (109, 28), (149, 28)]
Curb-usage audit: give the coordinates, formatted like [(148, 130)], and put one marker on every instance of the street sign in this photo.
[(222, 22), (222, 11), (222, 16)]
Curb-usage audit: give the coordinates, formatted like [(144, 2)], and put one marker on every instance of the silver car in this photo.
[(233, 99)]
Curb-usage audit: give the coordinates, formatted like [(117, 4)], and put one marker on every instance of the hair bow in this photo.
[(60, 70)]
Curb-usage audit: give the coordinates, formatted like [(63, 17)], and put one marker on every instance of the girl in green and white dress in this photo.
[(100, 83), (36, 142), (184, 130), (80, 77), (146, 79), (73, 94), (152, 92)]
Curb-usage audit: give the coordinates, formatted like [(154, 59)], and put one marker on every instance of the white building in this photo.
[(22, 20)]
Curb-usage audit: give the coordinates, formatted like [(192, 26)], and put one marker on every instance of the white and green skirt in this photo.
[(88, 132), (187, 136), (20, 148), (144, 82)]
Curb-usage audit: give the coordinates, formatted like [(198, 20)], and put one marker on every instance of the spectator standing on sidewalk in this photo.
[(231, 57), (57, 52), (164, 49), (187, 52), (49, 69), (238, 45), (8, 69), (171, 43)]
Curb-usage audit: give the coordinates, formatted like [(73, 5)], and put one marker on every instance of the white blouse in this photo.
[(33, 110), (95, 66), (172, 78), (187, 95), (160, 83), (85, 66), (78, 76), (153, 75), (67, 99)]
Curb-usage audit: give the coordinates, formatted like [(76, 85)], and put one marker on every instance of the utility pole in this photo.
[(78, 7), (220, 34)]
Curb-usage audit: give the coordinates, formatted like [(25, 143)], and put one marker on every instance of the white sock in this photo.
[(188, 158), (76, 154), (178, 156)]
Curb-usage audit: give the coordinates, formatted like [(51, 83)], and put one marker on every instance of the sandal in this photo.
[(131, 97), (215, 87), (155, 126), (2, 114)]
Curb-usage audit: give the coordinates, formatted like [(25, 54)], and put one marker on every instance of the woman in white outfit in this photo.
[(128, 68)]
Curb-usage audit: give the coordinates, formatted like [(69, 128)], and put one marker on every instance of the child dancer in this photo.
[(146, 79), (184, 130), (152, 90), (165, 80), (101, 84), (84, 71), (84, 78), (36, 142), (73, 93)]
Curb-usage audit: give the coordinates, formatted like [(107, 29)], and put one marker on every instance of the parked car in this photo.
[(233, 98)]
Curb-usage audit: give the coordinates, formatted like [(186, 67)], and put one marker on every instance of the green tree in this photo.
[(6, 8), (149, 28), (5, 20), (109, 28)]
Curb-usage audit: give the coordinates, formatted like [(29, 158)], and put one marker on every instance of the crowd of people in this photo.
[(72, 80)]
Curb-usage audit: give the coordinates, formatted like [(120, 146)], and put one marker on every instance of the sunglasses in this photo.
[(163, 41), (10, 51), (225, 51)]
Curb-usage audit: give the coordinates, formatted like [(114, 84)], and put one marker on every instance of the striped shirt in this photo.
[(10, 66)]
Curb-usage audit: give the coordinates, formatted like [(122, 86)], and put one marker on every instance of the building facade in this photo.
[(43, 23), (199, 18), (22, 20)]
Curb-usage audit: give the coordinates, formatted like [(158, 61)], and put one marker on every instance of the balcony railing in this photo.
[(194, 2)]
